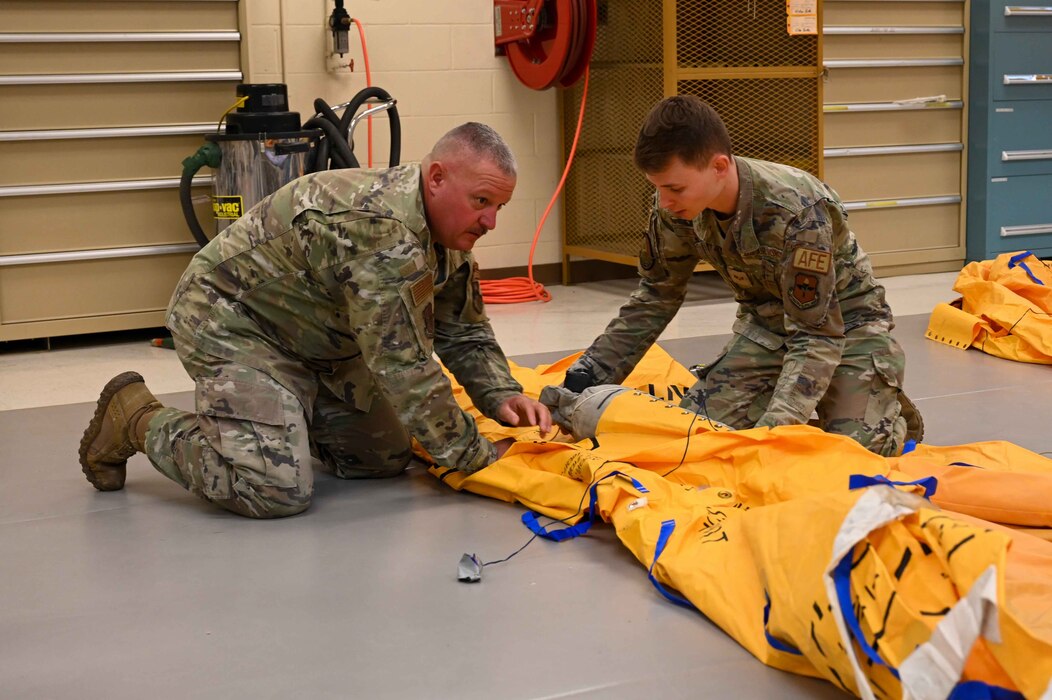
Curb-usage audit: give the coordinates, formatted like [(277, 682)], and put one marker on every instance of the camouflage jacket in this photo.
[(798, 274), (336, 272)]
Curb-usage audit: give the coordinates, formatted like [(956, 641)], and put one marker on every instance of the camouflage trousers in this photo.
[(251, 445), (864, 400)]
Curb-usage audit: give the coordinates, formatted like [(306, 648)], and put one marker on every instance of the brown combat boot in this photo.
[(914, 421), (117, 430)]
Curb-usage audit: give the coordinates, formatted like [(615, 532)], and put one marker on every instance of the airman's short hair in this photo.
[(480, 140), (684, 127)]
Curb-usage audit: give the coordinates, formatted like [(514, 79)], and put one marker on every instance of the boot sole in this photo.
[(95, 426)]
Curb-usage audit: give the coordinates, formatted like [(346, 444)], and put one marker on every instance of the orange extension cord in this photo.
[(517, 290), (368, 83)]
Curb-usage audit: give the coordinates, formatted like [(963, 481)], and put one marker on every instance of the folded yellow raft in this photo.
[(816, 555), (1005, 309)]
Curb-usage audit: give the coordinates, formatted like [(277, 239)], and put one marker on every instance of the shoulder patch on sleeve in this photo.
[(423, 289), (805, 292), (476, 289), (812, 260)]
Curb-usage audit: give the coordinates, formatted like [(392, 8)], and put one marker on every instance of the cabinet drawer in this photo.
[(922, 126), (1021, 16), (908, 230), (94, 160), (890, 176), (1026, 59), (93, 220), (1019, 213), (1020, 138), (86, 288), (847, 85)]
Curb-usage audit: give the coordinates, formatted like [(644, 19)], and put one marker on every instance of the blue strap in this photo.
[(774, 641), (842, 581), (909, 446), (1018, 258), (529, 519), (861, 481), (977, 690), (667, 527)]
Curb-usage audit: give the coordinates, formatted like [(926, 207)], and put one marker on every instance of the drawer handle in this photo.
[(1008, 156), (1027, 11), (98, 254), (1025, 230), (1032, 79)]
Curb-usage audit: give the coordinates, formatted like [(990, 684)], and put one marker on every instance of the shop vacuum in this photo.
[(264, 147)]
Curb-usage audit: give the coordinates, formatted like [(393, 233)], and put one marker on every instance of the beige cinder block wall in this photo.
[(436, 58)]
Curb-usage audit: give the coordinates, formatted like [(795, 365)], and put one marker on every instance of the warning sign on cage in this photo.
[(227, 207), (801, 7), (801, 17)]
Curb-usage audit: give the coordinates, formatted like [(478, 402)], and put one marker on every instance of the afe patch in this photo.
[(811, 259), (805, 290), (816, 261), (423, 289)]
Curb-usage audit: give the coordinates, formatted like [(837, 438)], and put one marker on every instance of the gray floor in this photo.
[(148, 592)]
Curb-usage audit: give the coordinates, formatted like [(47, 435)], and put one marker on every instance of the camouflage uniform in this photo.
[(309, 327), (812, 331)]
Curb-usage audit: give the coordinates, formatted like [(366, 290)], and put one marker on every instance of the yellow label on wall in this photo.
[(227, 207)]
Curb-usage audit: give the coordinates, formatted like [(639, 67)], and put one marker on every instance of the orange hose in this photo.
[(516, 290), (368, 83)]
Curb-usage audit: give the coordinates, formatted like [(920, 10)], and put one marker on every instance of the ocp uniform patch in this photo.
[(429, 321), (422, 289), (812, 259), (805, 290), (740, 277), (476, 290)]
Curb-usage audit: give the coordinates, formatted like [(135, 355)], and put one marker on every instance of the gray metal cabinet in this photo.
[(1010, 130)]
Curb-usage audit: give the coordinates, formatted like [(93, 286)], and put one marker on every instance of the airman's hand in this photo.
[(521, 410)]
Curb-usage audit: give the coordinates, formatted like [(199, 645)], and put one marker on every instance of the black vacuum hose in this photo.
[(209, 155), (336, 149)]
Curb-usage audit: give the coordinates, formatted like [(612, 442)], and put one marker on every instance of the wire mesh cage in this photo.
[(720, 34), (739, 57), (607, 200), (772, 119)]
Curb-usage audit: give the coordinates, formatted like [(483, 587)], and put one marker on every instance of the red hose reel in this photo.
[(547, 42)]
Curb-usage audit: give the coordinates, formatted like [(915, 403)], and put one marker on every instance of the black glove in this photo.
[(578, 379)]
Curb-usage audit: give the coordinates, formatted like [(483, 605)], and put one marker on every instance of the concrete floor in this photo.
[(149, 592)]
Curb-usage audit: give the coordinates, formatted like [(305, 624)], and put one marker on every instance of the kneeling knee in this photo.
[(377, 467)]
